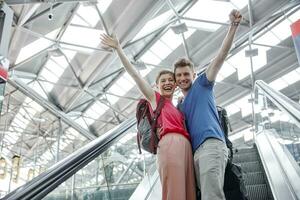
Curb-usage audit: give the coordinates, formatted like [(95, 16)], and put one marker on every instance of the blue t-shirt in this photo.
[(200, 112)]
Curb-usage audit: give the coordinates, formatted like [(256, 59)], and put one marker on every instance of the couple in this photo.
[(175, 153)]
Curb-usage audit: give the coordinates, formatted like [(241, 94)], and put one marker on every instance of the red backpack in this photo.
[(147, 137)]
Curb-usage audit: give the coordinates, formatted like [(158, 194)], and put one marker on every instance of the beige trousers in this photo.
[(210, 160), (176, 168)]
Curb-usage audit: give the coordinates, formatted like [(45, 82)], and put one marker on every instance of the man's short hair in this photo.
[(162, 72), (183, 62)]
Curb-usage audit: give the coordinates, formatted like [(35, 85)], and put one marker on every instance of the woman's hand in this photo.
[(110, 41)]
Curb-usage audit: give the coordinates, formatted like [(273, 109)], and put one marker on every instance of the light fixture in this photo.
[(16, 160), (55, 51), (251, 53), (140, 65), (179, 27), (3, 167), (30, 174)]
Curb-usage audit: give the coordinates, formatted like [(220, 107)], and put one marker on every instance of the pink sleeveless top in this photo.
[(171, 120)]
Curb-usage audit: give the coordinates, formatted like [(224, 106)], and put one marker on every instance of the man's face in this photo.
[(184, 77)]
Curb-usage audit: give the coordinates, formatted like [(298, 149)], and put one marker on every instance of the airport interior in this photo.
[(68, 124)]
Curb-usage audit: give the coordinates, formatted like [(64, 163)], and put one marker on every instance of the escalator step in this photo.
[(254, 178), (246, 150), (251, 166), (258, 192), (245, 157)]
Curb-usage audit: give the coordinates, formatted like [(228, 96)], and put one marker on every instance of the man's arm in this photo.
[(216, 64), (144, 87)]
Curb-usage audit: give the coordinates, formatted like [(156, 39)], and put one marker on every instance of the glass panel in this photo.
[(202, 25), (154, 24), (36, 46), (90, 39), (88, 14), (115, 174), (103, 5), (286, 80), (202, 10), (239, 3), (270, 117)]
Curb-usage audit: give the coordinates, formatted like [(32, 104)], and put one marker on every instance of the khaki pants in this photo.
[(210, 161), (175, 167)]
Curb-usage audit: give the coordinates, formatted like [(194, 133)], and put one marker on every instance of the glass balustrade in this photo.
[(115, 174), (270, 117)]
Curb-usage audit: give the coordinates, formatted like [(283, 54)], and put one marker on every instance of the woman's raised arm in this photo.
[(144, 86)]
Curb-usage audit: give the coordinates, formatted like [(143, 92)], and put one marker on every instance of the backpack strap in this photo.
[(154, 137)]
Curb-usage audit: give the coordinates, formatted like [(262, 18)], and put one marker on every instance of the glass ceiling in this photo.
[(86, 22), (86, 18)]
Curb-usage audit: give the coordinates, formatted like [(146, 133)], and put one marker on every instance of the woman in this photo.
[(174, 153)]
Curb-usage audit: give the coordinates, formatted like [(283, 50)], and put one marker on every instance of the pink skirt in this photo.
[(176, 168)]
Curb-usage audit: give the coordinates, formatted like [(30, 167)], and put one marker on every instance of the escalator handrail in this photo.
[(288, 169), (287, 105), (46, 182), (282, 171)]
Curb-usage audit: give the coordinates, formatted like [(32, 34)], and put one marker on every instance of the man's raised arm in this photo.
[(215, 66)]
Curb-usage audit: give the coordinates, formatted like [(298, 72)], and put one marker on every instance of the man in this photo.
[(198, 105)]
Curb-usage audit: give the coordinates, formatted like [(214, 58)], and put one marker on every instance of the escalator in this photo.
[(110, 167), (254, 174)]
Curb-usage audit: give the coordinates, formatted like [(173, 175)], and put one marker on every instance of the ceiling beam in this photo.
[(17, 2), (51, 107)]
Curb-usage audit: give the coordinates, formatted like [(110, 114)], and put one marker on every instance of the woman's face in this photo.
[(166, 85)]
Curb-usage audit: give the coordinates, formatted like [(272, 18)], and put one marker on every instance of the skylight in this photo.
[(286, 80), (268, 38), (261, 59), (86, 37), (54, 68), (276, 34), (36, 87), (150, 58), (103, 5), (121, 87), (82, 122), (94, 112), (36, 46), (282, 30), (154, 24), (278, 84), (239, 3), (189, 33), (242, 64), (242, 105), (145, 72), (161, 49), (203, 9), (171, 39), (232, 109), (202, 25), (20, 121), (89, 14), (78, 20), (294, 17), (226, 70)]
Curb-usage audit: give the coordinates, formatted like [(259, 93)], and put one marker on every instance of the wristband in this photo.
[(235, 23)]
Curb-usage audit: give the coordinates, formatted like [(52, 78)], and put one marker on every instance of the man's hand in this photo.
[(110, 41), (235, 17)]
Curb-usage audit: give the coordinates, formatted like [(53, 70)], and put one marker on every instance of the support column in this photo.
[(251, 65)]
